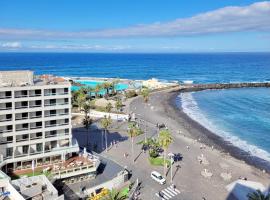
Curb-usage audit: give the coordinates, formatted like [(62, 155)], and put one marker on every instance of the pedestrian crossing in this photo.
[(168, 193)]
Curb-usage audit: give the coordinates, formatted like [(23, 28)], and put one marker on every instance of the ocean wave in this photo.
[(191, 108)]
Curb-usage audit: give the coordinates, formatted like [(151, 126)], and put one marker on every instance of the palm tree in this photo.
[(133, 131), (105, 123), (90, 90), (108, 107), (145, 93), (114, 195), (114, 84), (81, 98), (87, 121), (97, 89), (118, 105), (165, 139), (107, 85), (258, 195)]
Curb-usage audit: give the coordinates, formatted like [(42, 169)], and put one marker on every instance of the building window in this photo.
[(65, 90), (9, 138), (9, 152), (25, 149), (39, 147)]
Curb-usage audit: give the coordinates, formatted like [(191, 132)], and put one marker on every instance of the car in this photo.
[(157, 177)]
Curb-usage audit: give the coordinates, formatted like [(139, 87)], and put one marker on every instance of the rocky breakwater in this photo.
[(198, 87)]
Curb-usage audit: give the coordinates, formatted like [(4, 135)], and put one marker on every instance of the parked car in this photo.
[(157, 177)]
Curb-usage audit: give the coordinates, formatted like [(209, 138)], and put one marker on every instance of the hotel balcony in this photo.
[(28, 126), (5, 95), (5, 106), (55, 92), (27, 93), (55, 113), (6, 129)]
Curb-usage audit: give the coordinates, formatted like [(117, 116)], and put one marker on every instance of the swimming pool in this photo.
[(93, 83)]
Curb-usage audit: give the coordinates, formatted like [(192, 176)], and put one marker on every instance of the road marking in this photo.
[(168, 193)]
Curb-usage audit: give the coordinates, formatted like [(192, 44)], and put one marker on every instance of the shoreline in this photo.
[(198, 132)]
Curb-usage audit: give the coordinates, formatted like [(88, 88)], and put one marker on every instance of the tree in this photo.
[(113, 85), (105, 123), (87, 121), (114, 195), (145, 93), (81, 98), (97, 89), (108, 107), (119, 105), (107, 85), (165, 139), (258, 195), (133, 131)]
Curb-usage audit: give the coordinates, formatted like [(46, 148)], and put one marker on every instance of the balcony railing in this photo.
[(56, 104), (21, 118), (5, 142), (22, 139), (35, 138), (36, 127), (35, 106), (57, 114), (5, 120), (53, 125), (6, 108), (5, 97), (20, 107), (34, 95), (6, 131), (37, 116), (22, 129), (56, 135), (57, 93), (21, 95)]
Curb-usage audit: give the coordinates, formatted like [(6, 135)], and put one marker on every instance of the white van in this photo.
[(157, 177)]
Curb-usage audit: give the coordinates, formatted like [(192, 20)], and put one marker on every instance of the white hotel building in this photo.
[(35, 121)]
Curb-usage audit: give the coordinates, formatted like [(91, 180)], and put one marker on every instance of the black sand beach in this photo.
[(197, 131)]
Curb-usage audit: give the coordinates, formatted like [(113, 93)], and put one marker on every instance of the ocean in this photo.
[(241, 116)]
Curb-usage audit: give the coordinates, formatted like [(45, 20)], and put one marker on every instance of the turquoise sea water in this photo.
[(241, 116)]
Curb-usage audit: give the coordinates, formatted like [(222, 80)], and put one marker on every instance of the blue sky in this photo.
[(134, 26)]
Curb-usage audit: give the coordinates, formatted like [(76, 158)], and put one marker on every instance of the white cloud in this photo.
[(254, 17), (80, 47), (11, 45)]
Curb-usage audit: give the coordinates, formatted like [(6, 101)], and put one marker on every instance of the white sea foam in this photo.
[(191, 108)]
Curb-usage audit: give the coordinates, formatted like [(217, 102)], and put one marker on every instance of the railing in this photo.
[(35, 106), (35, 95), (20, 107), (22, 139), (7, 108), (21, 95), (36, 127), (5, 97), (54, 94), (37, 116), (53, 125), (5, 142), (35, 138), (22, 129), (5, 120), (56, 104), (21, 118), (56, 135), (59, 114), (5, 131)]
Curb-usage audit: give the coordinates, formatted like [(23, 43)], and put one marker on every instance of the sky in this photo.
[(134, 26)]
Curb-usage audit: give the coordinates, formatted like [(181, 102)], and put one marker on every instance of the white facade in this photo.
[(35, 123)]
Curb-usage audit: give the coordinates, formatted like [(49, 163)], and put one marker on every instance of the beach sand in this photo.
[(193, 140)]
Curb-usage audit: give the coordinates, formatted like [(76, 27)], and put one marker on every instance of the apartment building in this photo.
[(35, 121)]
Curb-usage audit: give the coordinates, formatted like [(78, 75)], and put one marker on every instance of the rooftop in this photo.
[(27, 78)]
